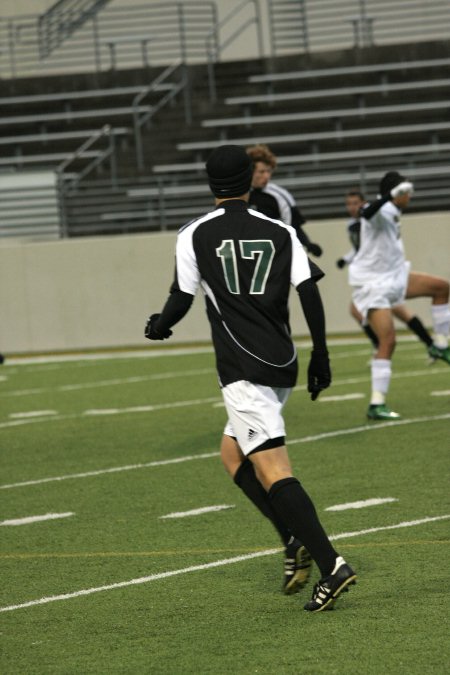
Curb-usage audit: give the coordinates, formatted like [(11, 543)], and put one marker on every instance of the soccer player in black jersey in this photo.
[(273, 200), (245, 263)]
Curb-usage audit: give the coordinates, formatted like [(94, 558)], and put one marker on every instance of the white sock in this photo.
[(381, 377), (440, 315)]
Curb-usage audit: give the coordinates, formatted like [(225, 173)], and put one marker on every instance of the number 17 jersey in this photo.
[(245, 263)]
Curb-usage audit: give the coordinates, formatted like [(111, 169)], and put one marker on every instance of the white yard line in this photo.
[(206, 566), (197, 512), (151, 408), (362, 504), (32, 413), (444, 392), (375, 426), (200, 371), (114, 469), (111, 383), (36, 519), (306, 439), (344, 397)]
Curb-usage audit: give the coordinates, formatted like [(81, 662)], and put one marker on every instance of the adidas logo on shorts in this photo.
[(251, 434)]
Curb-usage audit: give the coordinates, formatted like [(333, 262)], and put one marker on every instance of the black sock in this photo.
[(371, 335), (246, 479), (419, 329), (295, 508)]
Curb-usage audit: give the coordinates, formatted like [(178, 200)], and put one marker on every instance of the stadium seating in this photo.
[(392, 109)]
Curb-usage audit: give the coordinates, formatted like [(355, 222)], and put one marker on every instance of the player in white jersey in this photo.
[(381, 279), (354, 202)]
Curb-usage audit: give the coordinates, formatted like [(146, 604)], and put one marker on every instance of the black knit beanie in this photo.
[(230, 171), (389, 181)]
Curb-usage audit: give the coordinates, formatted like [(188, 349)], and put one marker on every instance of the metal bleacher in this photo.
[(334, 118)]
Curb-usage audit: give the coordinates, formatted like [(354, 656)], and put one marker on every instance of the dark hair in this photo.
[(389, 181), (354, 192)]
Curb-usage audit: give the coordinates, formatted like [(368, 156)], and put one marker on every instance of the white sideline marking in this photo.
[(152, 352), (116, 411), (36, 519), (361, 504), (198, 512), (444, 392), (113, 382), (344, 397), (150, 408), (33, 413), (206, 566), (176, 460), (368, 427), (114, 469)]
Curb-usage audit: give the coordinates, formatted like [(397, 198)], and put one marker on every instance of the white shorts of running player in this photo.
[(254, 413), (382, 292)]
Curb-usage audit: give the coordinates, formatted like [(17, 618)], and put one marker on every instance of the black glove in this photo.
[(341, 263), (315, 249), (319, 373), (152, 333)]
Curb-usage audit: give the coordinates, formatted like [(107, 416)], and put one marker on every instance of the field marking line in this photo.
[(208, 551), (444, 392), (33, 413), (206, 566), (198, 512), (212, 400), (154, 352), (114, 469), (187, 458), (344, 397), (109, 383), (150, 408), (361, 504), (36, 519), (368, 427)]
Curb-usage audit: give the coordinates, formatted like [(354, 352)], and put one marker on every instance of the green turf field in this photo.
[(111, 445)]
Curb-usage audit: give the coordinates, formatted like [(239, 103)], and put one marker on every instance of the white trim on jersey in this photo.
[(300, 270), (284, 200), (188, 274)]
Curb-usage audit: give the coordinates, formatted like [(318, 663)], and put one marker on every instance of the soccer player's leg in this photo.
[(250, 424), (427, 285), (296, 509), (382, 323)]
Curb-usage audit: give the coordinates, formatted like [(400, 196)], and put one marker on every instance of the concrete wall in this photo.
[(98, 292)]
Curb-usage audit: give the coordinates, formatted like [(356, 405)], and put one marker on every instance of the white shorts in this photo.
[(254, 413), (385, 292)]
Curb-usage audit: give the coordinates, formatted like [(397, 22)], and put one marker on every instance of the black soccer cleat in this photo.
[(297, 568), (327, 590)]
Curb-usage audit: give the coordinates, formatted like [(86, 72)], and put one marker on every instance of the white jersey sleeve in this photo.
[(300, 269)]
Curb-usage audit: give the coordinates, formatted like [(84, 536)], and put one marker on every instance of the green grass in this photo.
[(232, 618)]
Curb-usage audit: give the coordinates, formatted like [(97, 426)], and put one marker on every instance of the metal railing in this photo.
[(216, 45), (67, 181), (110, 38), (62, 19), (179, 69), (310, 26)]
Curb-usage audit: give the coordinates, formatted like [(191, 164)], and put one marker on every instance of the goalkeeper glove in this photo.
[(153, 333), (319, 373)]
